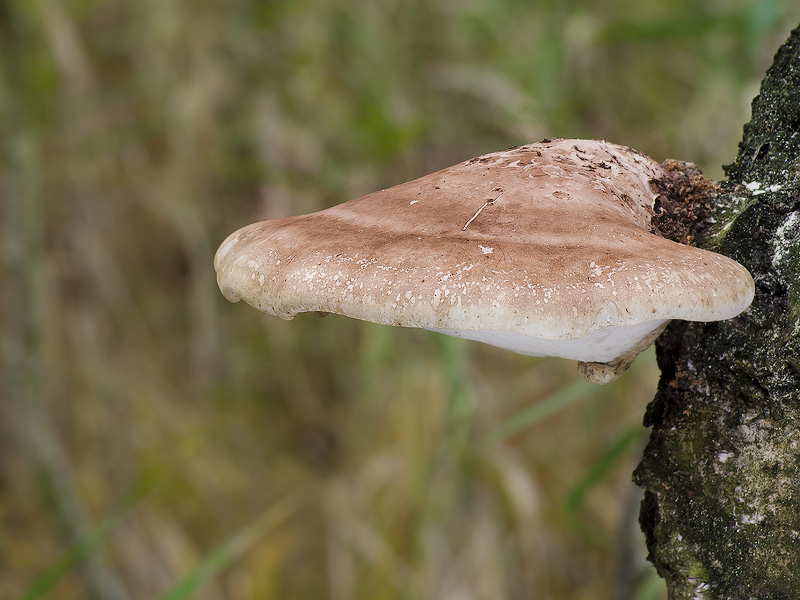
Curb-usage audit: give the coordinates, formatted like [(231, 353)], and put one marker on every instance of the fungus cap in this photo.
[(543, 249)]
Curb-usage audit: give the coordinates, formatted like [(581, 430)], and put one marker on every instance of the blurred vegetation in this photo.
[(157, 442)]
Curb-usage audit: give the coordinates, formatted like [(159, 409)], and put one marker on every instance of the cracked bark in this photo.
[(721, 473)]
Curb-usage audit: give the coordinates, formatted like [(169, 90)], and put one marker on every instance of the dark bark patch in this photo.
[(682, 208)]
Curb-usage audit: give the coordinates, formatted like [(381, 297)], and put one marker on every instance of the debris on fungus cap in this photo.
[(544, 249)]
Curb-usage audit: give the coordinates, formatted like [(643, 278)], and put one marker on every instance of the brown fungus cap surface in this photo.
[(549, 242)]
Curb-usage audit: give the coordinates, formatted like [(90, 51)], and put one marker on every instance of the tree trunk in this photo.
[(721, 473)]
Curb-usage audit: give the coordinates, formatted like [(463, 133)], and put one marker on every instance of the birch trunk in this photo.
[(721, 473)]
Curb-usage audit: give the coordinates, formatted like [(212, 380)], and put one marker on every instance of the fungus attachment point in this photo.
[(601, 373), (558, 258)]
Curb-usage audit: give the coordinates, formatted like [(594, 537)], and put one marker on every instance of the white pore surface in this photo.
[(603, 345)]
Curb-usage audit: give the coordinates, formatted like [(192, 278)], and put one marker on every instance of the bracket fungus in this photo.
[(545, 249)]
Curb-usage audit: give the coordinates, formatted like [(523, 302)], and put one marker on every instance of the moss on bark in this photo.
[(721, 472)]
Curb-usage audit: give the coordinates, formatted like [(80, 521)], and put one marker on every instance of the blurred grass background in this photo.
[(157, 442)]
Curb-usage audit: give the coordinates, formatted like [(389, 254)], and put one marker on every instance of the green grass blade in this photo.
[(233, 548), (651, 588), (543, 409), (48, 580), (600, 468)]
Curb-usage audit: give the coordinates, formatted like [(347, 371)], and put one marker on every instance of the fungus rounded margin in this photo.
[(544, 249)]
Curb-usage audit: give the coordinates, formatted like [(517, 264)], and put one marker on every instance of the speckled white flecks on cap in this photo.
[(549, 241)]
